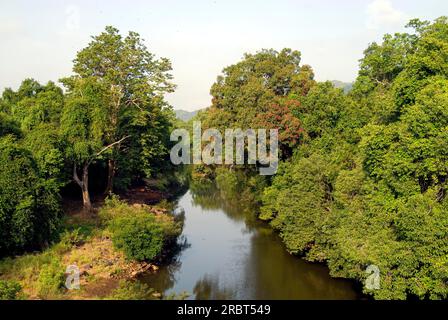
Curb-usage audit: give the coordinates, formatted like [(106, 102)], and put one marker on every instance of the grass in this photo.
[(86, 242)]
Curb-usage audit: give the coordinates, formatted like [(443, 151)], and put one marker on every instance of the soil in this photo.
[(102, 267)]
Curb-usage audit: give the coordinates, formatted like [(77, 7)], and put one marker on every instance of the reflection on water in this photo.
[(232, 255)]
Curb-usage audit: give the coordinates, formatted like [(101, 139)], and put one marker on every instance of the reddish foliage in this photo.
[(279, 116)]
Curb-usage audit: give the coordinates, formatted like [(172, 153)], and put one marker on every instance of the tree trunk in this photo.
[(110, 177), (85, 189), (84, 185)]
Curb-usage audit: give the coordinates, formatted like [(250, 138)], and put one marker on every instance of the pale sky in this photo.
[(39, 39)]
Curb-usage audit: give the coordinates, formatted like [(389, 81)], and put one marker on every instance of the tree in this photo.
[(29, 210), (84, 126), (135, 82), (250, 86), (280, 116), (370, 186), (9, 126), (321, 109)]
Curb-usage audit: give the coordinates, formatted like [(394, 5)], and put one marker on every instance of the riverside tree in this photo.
[(116, 111), (29, 206), (134, 83), (32, 166), (369, 188), (251, 86)]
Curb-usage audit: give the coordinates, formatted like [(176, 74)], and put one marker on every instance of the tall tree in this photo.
[(250, 86), (135, 82), (84, 126)]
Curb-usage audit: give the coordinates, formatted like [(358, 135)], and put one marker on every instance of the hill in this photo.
[(185, 115), (347, 86)]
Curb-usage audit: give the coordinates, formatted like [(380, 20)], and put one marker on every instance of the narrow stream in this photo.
[(232, 255)]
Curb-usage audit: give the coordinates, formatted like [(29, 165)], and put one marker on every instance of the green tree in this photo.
[(369, 187), (135, 82), (36, 109), (84, 125), (29, 209), (250, 86)]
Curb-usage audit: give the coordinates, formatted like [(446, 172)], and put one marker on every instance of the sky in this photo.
[(39, 39)]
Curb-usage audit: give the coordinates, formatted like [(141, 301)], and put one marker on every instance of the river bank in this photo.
[(104, 271), (225, 252)]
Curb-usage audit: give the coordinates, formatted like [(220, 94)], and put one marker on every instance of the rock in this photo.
[(83, 273), (154, 267), (87, 267), (108, 263)]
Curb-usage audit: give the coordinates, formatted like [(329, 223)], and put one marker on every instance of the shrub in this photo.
[(9, 290), (129, 290), (136, 231), (51, 279), (140, 237)]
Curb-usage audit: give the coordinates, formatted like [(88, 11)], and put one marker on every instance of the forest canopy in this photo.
[(363, 179)]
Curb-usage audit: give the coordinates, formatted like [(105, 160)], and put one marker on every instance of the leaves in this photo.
[(370, 186)]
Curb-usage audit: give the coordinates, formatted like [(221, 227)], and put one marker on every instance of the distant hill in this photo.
[(347, 86), (185, 115)]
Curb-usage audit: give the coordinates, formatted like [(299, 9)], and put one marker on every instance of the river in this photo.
[(229, 254)]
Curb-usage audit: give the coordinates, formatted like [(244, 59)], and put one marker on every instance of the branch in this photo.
[(128, 102), (112, 144), (108, 147), (75, 176)]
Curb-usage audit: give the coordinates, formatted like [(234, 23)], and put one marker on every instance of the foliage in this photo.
[(124, 86), (251, 86), (51, 279), (130, 290), (9, 290), (140, 234), (369, 187), (280, 116), (362, 181), (140, 237), (29, 207), (8, 126), (112, 114)]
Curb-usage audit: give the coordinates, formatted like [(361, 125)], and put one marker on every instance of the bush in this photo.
[(139, 233), (129, 290), (51, 279), (9, 290), (140, 237)]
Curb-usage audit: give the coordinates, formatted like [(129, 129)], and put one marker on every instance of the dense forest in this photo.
[(362, 179)]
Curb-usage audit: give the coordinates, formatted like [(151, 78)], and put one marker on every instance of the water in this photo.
[(232, 255)]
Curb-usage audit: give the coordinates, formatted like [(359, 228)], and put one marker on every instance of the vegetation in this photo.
[(114, 103), (106, 271), (50, 140), (9, 290), (364, 176), (132, 290), (141, 235), (29, 212), (108, 131)]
